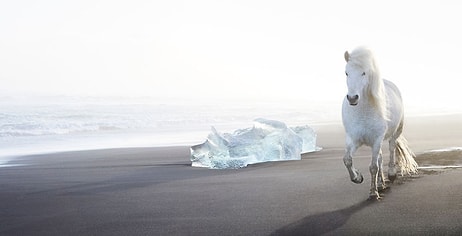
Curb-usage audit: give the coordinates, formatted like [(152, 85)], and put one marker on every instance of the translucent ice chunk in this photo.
[(309, 138), (267, 140)]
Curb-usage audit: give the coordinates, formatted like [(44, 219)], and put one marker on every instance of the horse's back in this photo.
[(391, 88), (395, 109)]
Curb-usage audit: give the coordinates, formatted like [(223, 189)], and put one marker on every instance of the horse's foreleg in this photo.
[(374, 169), (355, 175)]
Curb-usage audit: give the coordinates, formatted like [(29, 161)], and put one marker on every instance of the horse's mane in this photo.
[(363, 58)]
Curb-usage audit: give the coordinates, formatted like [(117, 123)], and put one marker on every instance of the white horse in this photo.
[(373, 112)]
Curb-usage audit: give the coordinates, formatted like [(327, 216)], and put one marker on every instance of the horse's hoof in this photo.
[(392, 178), (374, 198), (358, 179), (382, 188)]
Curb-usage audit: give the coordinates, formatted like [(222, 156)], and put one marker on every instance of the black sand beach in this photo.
[(155, 191)]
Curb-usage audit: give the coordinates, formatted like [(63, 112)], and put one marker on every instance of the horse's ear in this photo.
[(347, 56)]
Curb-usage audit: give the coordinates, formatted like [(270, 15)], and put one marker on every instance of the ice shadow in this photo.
[(323, 222)]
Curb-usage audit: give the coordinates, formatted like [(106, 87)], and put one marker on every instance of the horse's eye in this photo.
[(364, 73), (346, 73)]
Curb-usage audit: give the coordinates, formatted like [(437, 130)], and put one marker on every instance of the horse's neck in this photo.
[(371, 104), (369, 107)]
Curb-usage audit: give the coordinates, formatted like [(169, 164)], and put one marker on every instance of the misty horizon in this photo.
[(255, 50)]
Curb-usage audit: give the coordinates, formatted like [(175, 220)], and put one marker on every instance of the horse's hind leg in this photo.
[(392, 147), (355, 175), (381, 178), (392, 164)]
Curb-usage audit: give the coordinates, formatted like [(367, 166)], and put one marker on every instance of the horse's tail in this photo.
[(405, 156)]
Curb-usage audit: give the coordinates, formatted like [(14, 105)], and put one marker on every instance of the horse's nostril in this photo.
[(355, 97)]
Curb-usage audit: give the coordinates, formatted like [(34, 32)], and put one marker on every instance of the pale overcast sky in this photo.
[(255, 49)]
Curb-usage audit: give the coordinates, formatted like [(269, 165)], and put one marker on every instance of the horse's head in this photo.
[(365, 86), (357, 80)]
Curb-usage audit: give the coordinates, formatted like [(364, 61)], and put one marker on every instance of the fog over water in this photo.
[(95, 74)]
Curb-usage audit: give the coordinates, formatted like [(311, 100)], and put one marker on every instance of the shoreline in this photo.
[(414, 125), (155, 191)]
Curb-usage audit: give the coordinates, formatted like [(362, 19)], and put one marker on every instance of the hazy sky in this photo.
[(249, 49)]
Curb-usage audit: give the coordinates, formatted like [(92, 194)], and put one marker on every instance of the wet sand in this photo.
[(154, 191)]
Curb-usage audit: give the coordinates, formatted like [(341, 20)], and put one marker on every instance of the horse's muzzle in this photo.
[(353, 100)]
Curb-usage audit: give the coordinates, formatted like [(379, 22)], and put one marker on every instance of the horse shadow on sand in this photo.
[(323, 222)]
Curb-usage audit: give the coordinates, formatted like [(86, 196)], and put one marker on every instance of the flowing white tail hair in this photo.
[(405, 156)]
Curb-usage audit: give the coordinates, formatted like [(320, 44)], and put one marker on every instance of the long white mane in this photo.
[(363, 58)]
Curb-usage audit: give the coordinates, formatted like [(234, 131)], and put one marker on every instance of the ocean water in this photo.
[(34, 125)]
